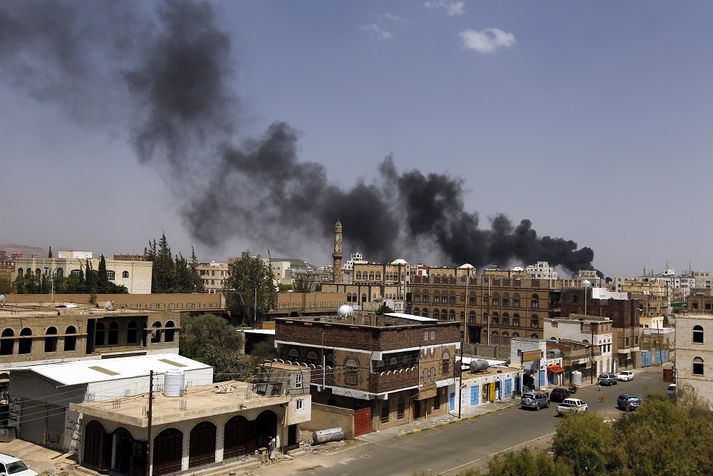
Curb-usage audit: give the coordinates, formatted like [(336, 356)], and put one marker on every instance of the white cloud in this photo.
[(392, 17), (376, 31), (452, 7), (486, 41)]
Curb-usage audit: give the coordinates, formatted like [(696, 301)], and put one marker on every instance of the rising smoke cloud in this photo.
[(165, 77)]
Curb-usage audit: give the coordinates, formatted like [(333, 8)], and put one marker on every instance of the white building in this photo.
[(214, 276), (587, 330), (40, 395), (529, 355), (541, 270)]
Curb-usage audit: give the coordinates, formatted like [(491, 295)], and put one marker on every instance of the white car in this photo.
[(625, 375), (571, 405), (9, 465)]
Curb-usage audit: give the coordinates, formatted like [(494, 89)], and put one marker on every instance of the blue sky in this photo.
[(591, 119)]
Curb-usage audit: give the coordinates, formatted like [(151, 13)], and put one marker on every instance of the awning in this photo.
[(555, 369)]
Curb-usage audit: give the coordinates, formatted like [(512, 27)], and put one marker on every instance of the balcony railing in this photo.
[(393, 380)]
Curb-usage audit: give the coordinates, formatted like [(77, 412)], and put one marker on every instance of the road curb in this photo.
[(438, 425)]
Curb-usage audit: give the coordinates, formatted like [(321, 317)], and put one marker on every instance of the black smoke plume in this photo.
[(166, 76)]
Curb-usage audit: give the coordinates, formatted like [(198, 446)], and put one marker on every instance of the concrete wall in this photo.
[(328, 416), (687, 350)]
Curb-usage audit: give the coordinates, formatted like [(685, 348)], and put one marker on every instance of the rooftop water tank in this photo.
[(173, 383), (479, 365), (576, 378)]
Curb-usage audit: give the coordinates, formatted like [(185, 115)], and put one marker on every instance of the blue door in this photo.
[(507, 388), (542, 378), (452, 401), (474, 394)]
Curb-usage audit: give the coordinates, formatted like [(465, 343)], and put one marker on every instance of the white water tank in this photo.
[(576, 378), (173, 383)]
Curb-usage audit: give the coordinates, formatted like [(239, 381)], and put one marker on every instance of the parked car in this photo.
[(628, 402), (9, 465), (571, 405), (559, 394), (625, 375), (535, 400), (607, 379), (671, 390)]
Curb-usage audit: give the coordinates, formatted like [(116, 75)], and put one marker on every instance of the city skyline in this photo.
[(590, 121)]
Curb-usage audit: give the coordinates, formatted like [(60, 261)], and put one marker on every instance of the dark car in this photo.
[(559, 394), (535, 400), (607, 379), (628, 402)]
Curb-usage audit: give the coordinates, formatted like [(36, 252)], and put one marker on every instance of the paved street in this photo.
[(453, 448)]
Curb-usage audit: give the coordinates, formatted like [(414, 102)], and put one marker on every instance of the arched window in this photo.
[(535, 301), (363, 297), (124, 274), (293, 354), (371, 276), (433, 374), (496, 299), (535, 336), (38, 273), (697, 366), (75, 272), (444, 314), (516, 300), (132, 333), (697, 334), (416, 311), (534, 322), (424, 313), (70, 341), (505, 338), (25, 346), (445, 363), (111, 275), (7, 344), (425, 376), (515, 335), (471, 317), (506, 319), (156, 333), (19, 272), (358, 275), (506, 300), (575, 299), (451, 315), (99, 334), (494, 337), (113, 333), (351, 375), (60, 272), (312, 357), (51, 339), (169, 332), (516, 320), (496, 319)]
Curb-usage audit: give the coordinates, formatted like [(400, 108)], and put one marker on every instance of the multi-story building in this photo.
[(541, 270), (623, 312), (694, 353), (135, 275), (32, 334), (495, 310), (391, 370), (592, 331), (214, 276)]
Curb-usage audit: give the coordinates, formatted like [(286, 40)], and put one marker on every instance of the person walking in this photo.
[(271, 446)]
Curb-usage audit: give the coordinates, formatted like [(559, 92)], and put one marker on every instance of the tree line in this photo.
[(661, 437), (172, 274), (86, 281)]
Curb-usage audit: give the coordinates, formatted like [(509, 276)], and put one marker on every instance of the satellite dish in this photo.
[(109, 306), (345, 310), (2, 299)]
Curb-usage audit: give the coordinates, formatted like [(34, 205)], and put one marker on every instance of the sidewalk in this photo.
[(428, 423)]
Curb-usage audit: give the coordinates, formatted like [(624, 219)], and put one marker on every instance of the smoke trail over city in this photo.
[(165, 77)]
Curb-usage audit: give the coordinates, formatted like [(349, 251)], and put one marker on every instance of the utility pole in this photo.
[(149, 416), (591, 354), (460, 365)]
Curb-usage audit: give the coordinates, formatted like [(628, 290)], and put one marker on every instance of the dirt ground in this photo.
[(44, 461)]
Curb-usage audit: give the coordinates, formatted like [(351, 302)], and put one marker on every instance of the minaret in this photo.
[(337, 254)]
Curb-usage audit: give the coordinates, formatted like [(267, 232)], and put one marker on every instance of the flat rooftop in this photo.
[(489, 371), (367, 320), (199, 402), (29, 311)]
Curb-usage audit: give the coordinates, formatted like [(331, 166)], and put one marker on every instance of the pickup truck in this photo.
[(571, 405)]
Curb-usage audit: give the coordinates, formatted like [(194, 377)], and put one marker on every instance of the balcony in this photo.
[(393, 380)]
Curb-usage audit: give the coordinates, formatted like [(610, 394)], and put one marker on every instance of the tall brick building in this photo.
[(492, 310), (390, 370)]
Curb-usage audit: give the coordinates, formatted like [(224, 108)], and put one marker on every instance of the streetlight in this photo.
[(585, 284)]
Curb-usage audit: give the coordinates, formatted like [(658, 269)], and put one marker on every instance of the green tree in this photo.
[(302, 285), (196, 281), (102, 276), (19, 285), (586, 442), (249, 278), (527, 463), (164, 267), (49, 252), (212, 340), (384, 309), (91, 278)]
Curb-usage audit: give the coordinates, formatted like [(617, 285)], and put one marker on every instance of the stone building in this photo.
[(694, 353), (31, 334), (589, 331), (623, 312), (214, 276), (491, 310), (390, 370)]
